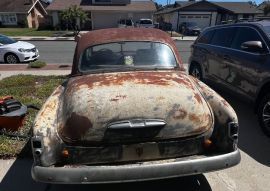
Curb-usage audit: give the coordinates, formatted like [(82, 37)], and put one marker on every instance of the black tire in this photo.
[(196, 71), (264, 114), (11, 58)]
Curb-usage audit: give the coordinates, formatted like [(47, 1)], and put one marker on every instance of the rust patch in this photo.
[(194, 118), (121, 96), (118, 97), (198, 98), (76, 126), (114, 99), (48, 107), (161, 98), (225, 103), (151, 78), (180, 114)]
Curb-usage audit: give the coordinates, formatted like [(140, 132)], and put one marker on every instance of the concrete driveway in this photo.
[(253, 173)]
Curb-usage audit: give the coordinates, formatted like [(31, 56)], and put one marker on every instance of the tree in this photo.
[(266, 9), (73, 17)]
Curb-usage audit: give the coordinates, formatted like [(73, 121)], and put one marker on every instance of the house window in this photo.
[(8, 19)]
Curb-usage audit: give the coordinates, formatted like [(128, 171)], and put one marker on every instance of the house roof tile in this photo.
[(140, 6), (17, 6), (239, 7), (235, 7)]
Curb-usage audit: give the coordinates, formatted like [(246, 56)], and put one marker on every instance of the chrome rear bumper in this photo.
[(137, 171)]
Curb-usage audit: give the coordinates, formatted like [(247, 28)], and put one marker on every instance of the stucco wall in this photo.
[(110, 19)]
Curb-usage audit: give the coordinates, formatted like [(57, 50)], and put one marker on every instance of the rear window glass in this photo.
[(206, 37), (127, 54), (223, 37)]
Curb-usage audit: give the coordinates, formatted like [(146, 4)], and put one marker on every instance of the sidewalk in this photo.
[(7, 70), (44, 38)]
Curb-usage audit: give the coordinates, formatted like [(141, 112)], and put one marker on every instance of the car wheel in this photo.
[(11, 58), (264, 114), (196, 71)]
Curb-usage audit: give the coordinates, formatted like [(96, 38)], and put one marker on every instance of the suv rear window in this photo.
[(206, 37), (223, 37)]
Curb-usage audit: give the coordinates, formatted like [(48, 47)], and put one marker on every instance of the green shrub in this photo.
[(37, 64)]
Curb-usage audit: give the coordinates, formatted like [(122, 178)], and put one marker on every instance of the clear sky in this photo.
[(164, 2)]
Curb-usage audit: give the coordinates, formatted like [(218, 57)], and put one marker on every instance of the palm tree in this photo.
[(73, 14), (266, 9)]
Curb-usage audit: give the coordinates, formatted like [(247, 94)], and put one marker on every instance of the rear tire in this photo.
[(11, 58), (264, 114), (196, 71)]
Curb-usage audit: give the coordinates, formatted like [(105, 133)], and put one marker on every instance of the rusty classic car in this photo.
[(129, 112)]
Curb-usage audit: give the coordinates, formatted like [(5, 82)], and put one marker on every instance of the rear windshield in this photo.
[(145, 22), (127, 54)]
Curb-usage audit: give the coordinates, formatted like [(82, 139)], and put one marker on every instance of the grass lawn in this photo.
[(28, 89), (26, 32)]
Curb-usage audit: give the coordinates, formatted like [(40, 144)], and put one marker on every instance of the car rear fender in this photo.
[(225, 135), (45, 141)]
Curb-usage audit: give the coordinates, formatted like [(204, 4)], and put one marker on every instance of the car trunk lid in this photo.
[(132, 107)]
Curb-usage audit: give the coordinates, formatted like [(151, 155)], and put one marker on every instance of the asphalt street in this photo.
[(62, 51)]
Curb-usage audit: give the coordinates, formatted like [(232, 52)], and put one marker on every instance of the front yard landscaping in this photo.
[(33, 32), (28, 89)]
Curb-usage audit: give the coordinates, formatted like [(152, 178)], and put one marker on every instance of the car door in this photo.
[(200, 51), (218, 50), (245, 66)]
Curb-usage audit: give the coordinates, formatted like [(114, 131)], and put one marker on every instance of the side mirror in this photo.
[(252, 46)]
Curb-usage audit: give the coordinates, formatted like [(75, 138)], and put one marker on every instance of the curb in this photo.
[(24, 67), (44, 38)]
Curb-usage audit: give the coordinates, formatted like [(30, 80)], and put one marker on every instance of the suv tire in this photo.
[(196, 71), (264, 114)]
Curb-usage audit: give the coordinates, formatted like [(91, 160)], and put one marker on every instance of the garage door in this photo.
[(107, 20), (201, 20)]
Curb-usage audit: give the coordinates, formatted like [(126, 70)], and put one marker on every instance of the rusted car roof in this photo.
[(103, 36)]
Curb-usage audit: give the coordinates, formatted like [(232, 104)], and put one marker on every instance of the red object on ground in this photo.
[(12, 113), (11, 123)]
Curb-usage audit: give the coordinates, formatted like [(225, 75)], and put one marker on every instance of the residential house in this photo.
[(263, 5), (104, 13), (206, 13), (23, 13)]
